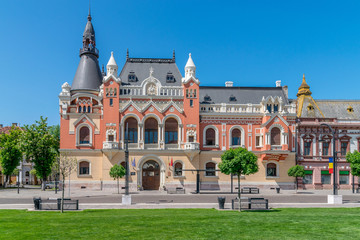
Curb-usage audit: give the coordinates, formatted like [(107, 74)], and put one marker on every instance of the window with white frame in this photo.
[(210, 169), (210, 137), (235, 137), (271, 170), (84, 137), (178, 167), (84, 168)]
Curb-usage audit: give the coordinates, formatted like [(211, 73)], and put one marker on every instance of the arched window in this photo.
[(275, 136), (84, 135), (235, 137), (84, 109), (84, 168), (27, 174), (171, 131), (79, 110), (131, 130), (178, 169), (210, 137), (271, 170), (210, 169), (151, 131), (89, 109), (123, 164)]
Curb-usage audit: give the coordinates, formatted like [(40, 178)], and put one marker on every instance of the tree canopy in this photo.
[(10, 152), (354, 160), (116, 172), (40, 146), (296, 171)]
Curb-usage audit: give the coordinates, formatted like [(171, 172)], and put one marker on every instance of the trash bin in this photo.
[(221, 201), (37, 201), (277, 190)]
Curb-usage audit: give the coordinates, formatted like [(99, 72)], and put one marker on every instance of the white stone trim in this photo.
[(78, 168), (110, 132), (216, 136), (242, 140), (78, 135)]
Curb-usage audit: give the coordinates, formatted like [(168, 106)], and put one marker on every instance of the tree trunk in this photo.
[(296, 185), (118, 185), (43, 183), (62, 195), (239, 192), (6, 180)]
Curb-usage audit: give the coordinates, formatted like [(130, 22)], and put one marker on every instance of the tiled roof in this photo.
[(141, 68), (243, 95)]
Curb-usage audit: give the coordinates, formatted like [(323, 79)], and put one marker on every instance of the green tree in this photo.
[(55, 132), (39, 145), (10, 152), (238, 161), (117, 172), (354, 160), (296, 171)]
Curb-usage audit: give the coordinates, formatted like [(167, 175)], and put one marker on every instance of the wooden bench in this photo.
[(178, 190), (250, 190), (55, 204)]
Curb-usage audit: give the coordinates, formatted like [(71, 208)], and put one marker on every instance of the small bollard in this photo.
[(277, 190)]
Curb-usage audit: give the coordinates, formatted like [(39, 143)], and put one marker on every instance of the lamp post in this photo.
[(335, 191), (126, 199)]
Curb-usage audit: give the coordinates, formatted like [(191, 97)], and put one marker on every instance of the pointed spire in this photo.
[(173, 55), (89, 16), (112, 67), (190, 68), (304, 88), (127, 54), (190, 62)]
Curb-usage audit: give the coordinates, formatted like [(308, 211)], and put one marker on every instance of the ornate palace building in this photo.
[(171, 122), (315, 141)]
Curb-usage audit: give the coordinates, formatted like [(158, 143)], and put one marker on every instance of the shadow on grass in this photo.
[(267, 211)]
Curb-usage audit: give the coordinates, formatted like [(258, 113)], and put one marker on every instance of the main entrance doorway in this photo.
[(151, 175)]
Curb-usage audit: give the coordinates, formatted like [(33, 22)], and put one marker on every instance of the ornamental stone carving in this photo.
[(151, 89)]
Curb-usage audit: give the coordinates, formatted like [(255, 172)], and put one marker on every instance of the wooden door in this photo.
[(151, 175)]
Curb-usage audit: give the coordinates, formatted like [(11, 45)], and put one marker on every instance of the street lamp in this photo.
[(335, 190), (126, 199)]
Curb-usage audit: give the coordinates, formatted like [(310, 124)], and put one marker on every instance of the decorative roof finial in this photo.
[(304, 88), (89, 16), (151, 71), (173, 55), (127, 54)]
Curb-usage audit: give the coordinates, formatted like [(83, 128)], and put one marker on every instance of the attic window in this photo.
[(232, 98), (132, 77), (170, 78), (310, 107), (350, 109), (207, 98)]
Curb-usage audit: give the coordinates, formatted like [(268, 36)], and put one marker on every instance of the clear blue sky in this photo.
[(252, 43)]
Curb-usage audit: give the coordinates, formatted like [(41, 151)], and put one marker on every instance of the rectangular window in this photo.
[(276, 108), (268, 107), (111, 102), (194, 93), (308, 178), (257, 141), (191, 138), (187, 93), (344, 177), (344, 148), (111, 138), (325, 177), (191, 103), (325, 149), (307, 147)]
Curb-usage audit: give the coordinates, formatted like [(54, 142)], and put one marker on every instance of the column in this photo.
[(161, 137), (121, 135), (180, 135), (141, 135)]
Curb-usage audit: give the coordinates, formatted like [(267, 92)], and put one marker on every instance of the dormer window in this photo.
[(350, 109), (276, 108), (310, 107), (207, 98), (132, 77), (170, 78), (232, 98)]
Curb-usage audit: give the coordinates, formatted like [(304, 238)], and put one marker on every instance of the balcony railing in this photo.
[(192, 146), (110, 145)]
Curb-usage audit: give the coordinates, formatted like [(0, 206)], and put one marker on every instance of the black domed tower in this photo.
[(88, 75)]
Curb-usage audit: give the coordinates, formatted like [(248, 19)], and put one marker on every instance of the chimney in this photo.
[(285, 88), (278, 83), (1, 126), (14, 124), (229, 84)]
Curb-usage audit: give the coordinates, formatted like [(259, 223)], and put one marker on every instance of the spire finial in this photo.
[(127, 54), (304, 88), (174, 54), (89, 16)]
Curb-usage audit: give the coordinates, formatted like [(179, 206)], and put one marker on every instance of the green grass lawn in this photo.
[(333, 223)]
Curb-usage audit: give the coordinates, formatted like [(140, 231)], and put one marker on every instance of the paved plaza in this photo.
[(10, 199)]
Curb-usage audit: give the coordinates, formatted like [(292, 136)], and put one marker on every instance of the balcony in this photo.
[(110, 145), (192, 146)]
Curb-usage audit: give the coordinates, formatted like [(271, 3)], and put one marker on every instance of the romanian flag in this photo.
[(331, 165)]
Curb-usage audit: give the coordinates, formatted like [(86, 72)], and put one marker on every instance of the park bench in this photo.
[(250, 203), (55, 204), (250, 190), (177, 190)]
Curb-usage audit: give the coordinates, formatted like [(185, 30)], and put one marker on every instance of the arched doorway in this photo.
[(151, 175)]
